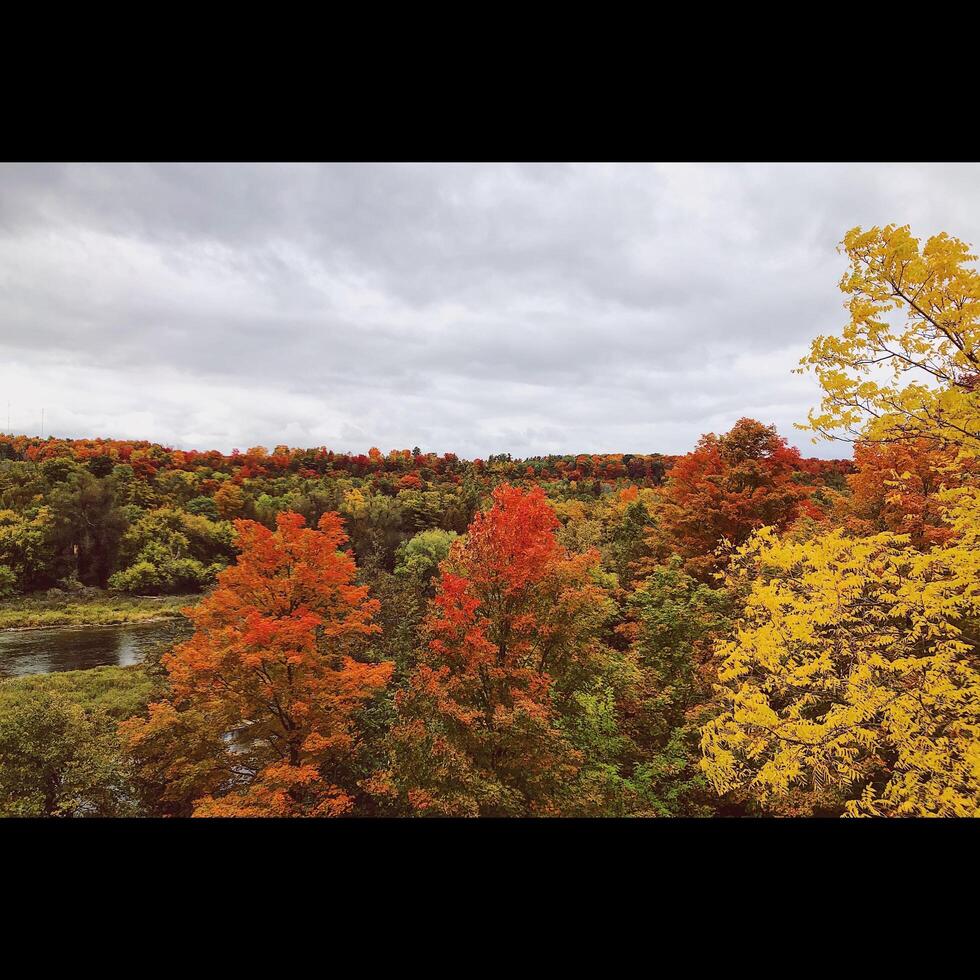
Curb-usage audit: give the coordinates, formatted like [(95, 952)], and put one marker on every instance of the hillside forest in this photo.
[(736, 631)]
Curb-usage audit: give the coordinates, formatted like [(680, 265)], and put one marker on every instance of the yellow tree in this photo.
[(854, 675), (908, 360)]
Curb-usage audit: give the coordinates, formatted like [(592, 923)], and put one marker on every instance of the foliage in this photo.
[(908, 360), (119, 692), (855, 670), (898, 487), (512, 653), (853, 679), (8, 581), (420, 556), (259, 716), (25, 547), (170, 550), (678, 620), (59, 759), (724, 490), (87, 524)]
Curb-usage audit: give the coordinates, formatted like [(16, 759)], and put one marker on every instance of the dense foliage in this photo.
[(853, 680)]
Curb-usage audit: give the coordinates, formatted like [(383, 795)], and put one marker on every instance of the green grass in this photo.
[(101, 610), (119, 691)]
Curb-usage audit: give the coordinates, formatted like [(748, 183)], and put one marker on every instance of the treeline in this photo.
[(143, 519), (746, 632)]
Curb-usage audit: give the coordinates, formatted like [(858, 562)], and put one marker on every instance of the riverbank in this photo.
[(40, 612), (120, 692)]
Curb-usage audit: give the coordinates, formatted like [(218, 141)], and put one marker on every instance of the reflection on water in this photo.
[(44, 651)]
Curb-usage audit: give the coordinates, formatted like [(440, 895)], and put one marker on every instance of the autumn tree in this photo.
[(854, 676), (729, 486), (230, 501), (513, 680), (259, 719), (907, 361), (898, 486)]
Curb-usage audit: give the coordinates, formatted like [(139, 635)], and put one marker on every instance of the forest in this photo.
[(738, 631)]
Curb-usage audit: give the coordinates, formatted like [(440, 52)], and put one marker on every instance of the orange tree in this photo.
[(898, 486), (725, 489), (259, 721), (510, 711)]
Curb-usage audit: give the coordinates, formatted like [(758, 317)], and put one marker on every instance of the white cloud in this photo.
[(480, 309)]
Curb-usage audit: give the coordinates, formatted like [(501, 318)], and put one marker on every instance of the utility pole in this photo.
[(42, 423)]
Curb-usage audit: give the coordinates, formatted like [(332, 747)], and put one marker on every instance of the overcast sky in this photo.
[(475, 309)]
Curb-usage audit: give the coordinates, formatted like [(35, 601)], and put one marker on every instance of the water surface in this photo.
[(44, 651)]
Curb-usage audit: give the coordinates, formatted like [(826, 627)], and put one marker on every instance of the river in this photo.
[(44, 651)]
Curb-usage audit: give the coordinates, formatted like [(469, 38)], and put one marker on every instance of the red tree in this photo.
[(512, 631)]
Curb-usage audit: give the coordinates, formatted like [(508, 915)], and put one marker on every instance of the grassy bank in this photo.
[(120, 692), (27, 612)]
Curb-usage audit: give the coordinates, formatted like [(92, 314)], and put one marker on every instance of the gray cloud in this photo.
[(476, 309)]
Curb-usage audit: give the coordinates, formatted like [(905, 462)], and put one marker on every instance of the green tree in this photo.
[(87, 524), (203, 507), (8, 581), (169, 550), (57, 759), (26, 548), (678, 619), (419, 557), (629, 541)]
